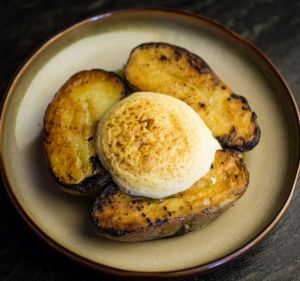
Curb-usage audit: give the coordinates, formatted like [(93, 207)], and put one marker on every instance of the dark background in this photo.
[(273, 25)]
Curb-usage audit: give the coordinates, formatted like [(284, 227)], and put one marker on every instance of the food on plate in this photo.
[(172, 70), (154, 158), (123, 217), (69, 126), (154, 145)]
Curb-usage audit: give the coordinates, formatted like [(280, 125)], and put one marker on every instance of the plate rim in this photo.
[(186, 272)]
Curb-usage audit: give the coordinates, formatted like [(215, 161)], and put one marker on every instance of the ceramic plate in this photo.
[(105, 42)]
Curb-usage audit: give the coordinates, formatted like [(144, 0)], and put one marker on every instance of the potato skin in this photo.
[(122, 217), (172, 70), (69, 126)]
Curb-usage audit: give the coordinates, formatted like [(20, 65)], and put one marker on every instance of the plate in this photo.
[(104, 42)]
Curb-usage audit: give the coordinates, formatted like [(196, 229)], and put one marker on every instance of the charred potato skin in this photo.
[(231, 139), (90, 185), (149, 219)]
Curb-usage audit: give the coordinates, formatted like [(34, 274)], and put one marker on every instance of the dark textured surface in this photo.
[(272, 25)]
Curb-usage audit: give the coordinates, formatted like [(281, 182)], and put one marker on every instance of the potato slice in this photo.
[(69, 127), (168, 69), (122, 217)]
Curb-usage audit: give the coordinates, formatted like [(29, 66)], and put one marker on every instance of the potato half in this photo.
[(168, 69), (69, 128), (123, 217)]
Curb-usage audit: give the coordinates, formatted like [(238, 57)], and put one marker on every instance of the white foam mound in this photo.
[(154, 145)]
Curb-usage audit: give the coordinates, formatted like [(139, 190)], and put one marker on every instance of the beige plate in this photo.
[(105, 42)]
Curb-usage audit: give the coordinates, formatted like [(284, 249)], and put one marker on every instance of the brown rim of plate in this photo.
[(188, 272)]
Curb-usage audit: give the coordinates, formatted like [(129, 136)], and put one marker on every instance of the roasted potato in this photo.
[(123, 217), (69, 127), (175, 71)]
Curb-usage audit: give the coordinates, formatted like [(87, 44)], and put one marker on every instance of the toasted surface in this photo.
[(69, 128), (119, 216), (154, 145), (175, 71)]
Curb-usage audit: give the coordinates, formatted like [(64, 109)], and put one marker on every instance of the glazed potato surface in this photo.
[(168, 69), (122, 217), (69, 128)]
